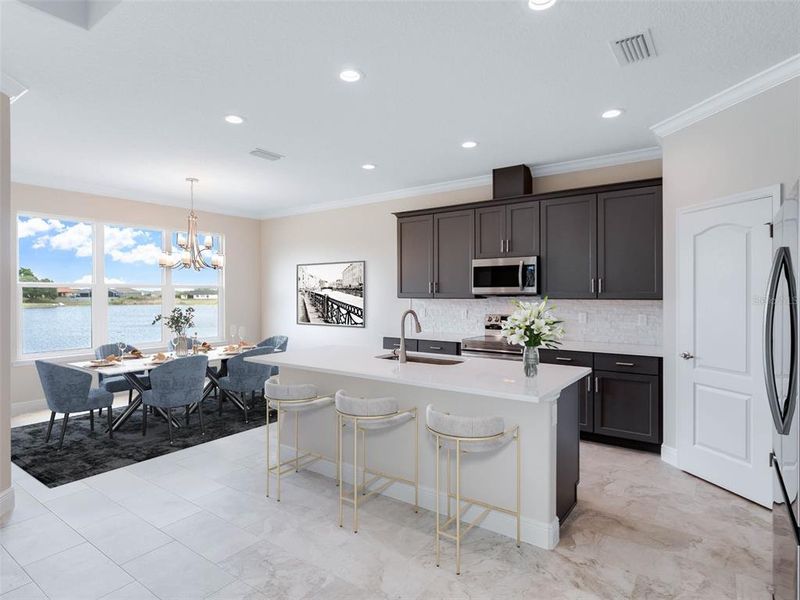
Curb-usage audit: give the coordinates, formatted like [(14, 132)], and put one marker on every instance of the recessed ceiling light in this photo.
[(612, 113), (540, 4), (469, 144), (234, 119), (368, 167), (350, 75)]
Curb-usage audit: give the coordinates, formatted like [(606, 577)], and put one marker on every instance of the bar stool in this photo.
[(297, 399), (371, 414), (468, 434)]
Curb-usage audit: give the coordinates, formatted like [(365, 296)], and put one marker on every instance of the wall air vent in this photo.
[(266, 154), (634, 48)]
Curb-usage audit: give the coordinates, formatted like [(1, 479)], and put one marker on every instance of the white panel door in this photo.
[(724, 422)]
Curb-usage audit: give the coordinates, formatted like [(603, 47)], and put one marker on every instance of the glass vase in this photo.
[(530, 361), (181, 346)]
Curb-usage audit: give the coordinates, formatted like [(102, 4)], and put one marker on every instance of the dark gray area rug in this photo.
[(86, 453)]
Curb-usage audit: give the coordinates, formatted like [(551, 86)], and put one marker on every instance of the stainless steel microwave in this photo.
[(505, 276)]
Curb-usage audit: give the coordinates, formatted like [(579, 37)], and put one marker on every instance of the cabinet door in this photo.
[(415, 257), (490, 232), (568, 254), (629, 248), (452, 254), (522, 229), (627, 405)]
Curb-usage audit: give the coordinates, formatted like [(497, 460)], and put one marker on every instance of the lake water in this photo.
[(70, 327)]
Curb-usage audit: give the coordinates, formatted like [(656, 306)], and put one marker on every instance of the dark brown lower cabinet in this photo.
[(628, 406)]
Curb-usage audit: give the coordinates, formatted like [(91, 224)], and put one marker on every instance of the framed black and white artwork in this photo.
[(331, 294)]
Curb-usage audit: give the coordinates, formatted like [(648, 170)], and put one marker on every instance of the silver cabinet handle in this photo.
[(430, 287), (625, 364), (686, 355), (596, 384), (592, 285), (600, 286), (519, 275), (506, 246), (589, 379), (435, 347), (564, 358), (501, 246)]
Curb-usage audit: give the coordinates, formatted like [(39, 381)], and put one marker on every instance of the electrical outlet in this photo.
[(642, 320), (582, 317), (465, 313)]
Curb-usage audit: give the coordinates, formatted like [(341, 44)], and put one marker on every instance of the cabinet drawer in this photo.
[(437, 347), (390, 343), (627, 363), (566, 357)]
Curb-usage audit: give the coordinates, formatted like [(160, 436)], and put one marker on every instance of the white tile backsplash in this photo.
[(619, 321)]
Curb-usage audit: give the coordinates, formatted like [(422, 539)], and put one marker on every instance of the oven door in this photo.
[(505, 276)]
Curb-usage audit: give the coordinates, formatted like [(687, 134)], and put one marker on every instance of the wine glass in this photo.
[(233, 330), (121, 346), (242, 333)]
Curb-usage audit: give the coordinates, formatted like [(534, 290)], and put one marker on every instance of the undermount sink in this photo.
[(429, 360)]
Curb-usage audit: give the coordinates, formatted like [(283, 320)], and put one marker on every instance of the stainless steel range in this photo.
[(491, 344)]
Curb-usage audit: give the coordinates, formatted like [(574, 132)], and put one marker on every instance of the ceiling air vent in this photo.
[(634, 48), (266, 154)]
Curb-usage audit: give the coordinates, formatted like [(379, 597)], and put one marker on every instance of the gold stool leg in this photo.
[(278, 452), (438, 445), (416, 463), (364, 461), (448, 483), (355, 475), (297, 441), (268, 459), (458, 507), (339, 463)]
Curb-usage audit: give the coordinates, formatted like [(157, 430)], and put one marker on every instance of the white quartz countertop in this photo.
[(479, 376)]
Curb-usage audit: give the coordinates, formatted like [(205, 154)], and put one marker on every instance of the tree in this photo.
[(32, 294)]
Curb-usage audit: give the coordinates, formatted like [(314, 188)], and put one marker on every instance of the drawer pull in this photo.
[(625, 364), (396, 345), (564, 358), (435, 348)]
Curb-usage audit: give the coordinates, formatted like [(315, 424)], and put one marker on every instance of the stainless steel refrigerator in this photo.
[(781, 370)]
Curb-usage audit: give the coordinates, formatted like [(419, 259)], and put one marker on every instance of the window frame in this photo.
[(99, 289)]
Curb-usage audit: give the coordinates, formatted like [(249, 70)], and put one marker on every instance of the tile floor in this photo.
[(195, 524)]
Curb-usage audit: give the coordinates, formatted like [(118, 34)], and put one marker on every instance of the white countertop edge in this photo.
[(575, 375)]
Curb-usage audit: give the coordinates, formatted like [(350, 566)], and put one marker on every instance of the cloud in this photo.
[(122, 245), (30, 226), (41, 242), (77, 237), (87, 279), (84, 279)]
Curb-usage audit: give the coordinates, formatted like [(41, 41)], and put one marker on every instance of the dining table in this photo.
[(131, 367)]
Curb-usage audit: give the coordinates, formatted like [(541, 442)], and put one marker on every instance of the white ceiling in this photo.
[(135, 104)]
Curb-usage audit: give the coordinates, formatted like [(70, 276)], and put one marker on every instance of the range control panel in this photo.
[(494, 322)]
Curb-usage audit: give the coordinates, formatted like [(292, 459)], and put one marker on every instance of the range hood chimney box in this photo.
[(511, 181)]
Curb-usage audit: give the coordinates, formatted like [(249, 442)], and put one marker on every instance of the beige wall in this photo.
[(369, 233), (242, 261), (5, 309), (753, 144)]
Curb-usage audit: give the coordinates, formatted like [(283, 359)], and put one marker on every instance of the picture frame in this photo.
[(331, 293)]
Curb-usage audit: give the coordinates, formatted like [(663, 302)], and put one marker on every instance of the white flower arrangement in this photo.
[(533, 324)]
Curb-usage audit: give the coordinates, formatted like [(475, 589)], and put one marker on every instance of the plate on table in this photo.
[(247, 347), (132, 356), (101, 363)]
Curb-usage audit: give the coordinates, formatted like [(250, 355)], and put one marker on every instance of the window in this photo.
[(55, 284), (84, 284)]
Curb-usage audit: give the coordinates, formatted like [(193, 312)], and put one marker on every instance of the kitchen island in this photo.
[(544, 407)]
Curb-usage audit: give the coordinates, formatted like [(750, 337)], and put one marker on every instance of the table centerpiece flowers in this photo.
[(533, 325), (179, 321)]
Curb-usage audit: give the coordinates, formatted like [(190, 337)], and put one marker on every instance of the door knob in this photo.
[(686, 355)]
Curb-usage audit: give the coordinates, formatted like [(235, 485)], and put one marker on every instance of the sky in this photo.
[(61, 250)]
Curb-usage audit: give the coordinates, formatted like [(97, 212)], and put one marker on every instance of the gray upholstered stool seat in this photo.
[(297, 398), (370, 414), (458, 435), (468, 427), (382, 412)]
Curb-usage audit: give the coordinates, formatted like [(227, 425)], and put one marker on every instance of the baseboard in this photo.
[(6, 503), (669, 455), (27, 406), (538, 533)]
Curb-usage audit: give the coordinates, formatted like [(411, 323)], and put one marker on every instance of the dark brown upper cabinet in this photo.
[(507, 230), (568, 264), (434, 255), (452, 254), (415, 257), (629, 248)]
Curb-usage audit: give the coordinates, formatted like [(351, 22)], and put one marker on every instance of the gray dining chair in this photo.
[(279, 342), (245, 378), (174, 384), (117, 383), (68, 391)]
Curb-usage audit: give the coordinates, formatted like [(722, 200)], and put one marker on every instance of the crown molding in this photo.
[(744, 90), (570, 166), (597, 162)]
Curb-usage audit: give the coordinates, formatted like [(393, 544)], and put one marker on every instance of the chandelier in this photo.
[(194, 255)]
